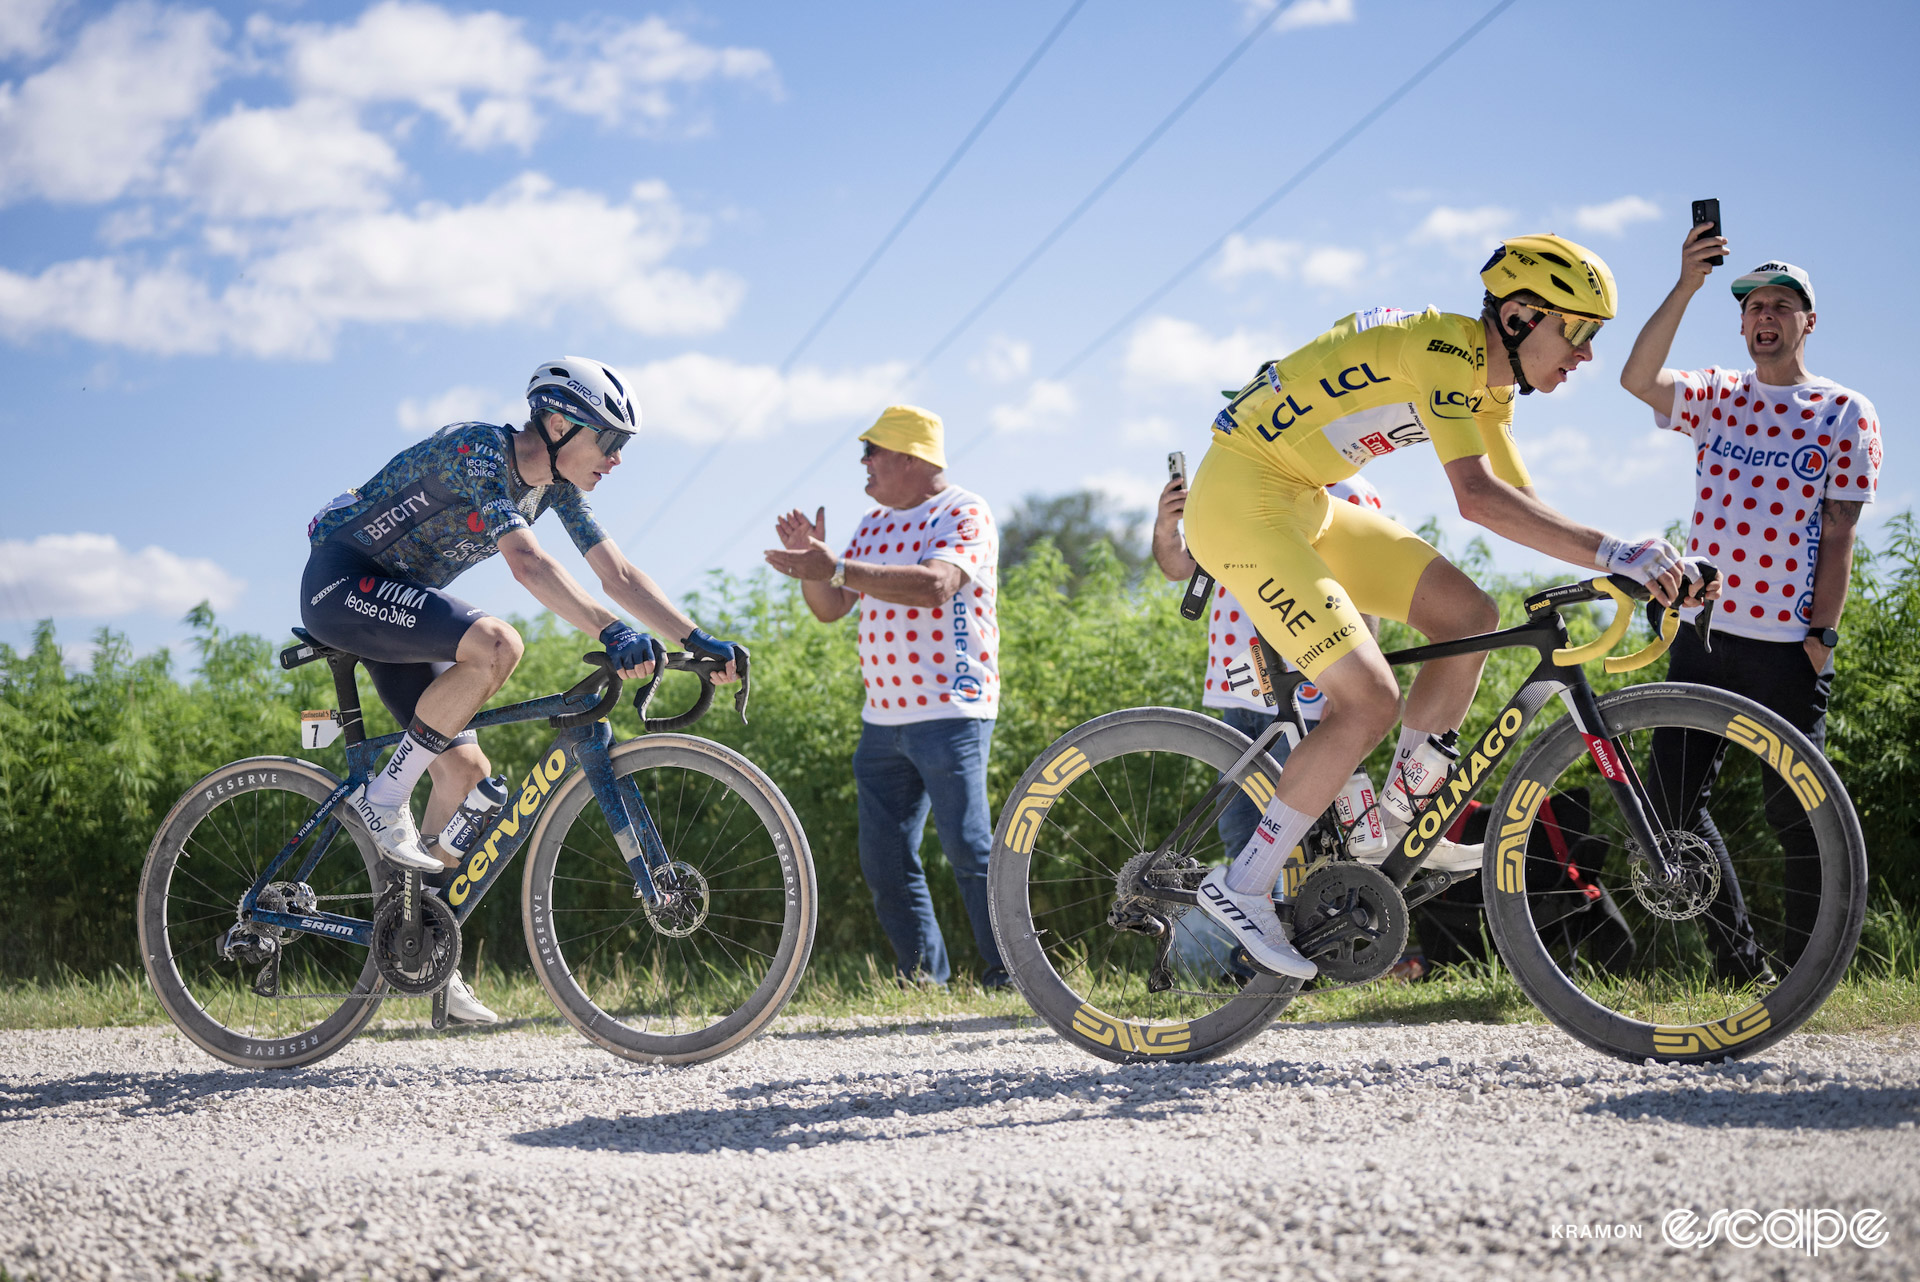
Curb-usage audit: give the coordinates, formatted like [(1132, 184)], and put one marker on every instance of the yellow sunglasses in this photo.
[(1578, 329)]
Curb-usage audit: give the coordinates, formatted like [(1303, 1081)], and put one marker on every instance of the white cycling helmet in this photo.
[(589, 395)]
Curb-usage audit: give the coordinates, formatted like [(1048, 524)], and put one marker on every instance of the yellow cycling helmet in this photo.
[(1569, 277)]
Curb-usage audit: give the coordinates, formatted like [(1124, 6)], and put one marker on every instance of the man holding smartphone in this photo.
[(1783, 462)]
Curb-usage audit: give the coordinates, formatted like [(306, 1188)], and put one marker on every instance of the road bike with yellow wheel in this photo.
[(1736, 937)]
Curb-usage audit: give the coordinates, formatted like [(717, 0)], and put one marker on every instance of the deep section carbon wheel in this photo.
[(1115, 971), (1743, 944), (257, 996), (708, 968)]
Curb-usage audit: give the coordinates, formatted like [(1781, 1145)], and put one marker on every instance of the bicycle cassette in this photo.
[(415, 962)]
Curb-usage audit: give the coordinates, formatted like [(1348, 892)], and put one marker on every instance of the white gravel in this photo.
[(975, 1149)]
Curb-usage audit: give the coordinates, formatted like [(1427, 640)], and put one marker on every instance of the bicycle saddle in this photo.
[(308, 650)]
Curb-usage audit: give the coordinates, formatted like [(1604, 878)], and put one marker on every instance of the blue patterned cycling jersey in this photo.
[(442, 505)]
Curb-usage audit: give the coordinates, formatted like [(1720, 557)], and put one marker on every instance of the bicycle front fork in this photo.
[(1623, 779), (627, 815)]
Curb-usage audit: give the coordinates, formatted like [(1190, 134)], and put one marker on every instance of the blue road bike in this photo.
[(669, 901)]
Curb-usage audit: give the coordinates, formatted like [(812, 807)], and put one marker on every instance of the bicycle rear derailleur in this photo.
[(1137, 910), (416, 937)]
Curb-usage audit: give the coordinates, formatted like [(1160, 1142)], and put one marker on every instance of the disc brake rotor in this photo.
[(1693, 891), (682, 906)]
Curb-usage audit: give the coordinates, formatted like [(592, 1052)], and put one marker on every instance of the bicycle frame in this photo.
[(1545, 632), (583, 747)]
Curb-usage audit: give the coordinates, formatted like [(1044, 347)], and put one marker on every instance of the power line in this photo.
[(1051, 238), (1299, 175), (1294, 180), (886, 243)]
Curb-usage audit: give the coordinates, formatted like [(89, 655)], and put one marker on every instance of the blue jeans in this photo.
[(902, 772)]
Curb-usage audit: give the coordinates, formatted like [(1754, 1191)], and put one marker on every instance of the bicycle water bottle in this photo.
[(487, 796), (1420, 775), (1360, 817)]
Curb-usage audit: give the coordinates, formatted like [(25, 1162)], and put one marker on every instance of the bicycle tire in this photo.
[(1684, 997), (207, 853), (1054, 841), (656, 997)]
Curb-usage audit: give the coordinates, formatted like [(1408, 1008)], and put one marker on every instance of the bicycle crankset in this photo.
[(416, 938), (1350, 919)]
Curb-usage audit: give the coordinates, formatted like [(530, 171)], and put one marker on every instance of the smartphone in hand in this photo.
[(1177, 466), (1708, 211)]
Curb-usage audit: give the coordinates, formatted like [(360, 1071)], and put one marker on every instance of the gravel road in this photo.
[(972, 1149)]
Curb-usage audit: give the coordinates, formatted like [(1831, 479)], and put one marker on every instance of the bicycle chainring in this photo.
[(1697, 886), (682, 905), (1372, 918), (426, 967)]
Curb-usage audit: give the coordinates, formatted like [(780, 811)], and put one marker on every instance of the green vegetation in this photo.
[(91, 759)]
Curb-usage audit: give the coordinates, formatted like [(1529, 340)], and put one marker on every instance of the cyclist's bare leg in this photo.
[(488, 654), (1363, 700), (1447, 605)]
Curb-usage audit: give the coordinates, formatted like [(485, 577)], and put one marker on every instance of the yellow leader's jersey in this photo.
[(1378, 381)]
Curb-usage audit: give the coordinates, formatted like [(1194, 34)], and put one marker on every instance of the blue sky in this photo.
[(249, 252)]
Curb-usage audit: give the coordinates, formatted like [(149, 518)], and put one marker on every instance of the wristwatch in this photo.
[(1828, 637), (839, 579)]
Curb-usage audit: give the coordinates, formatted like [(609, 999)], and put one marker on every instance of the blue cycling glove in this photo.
[(700, 643), (629, 647)]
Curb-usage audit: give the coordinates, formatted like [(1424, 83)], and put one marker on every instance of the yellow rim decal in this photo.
[(1697, 1039), (1258, 787), (1765, 744), (1142, 1039), (1053, 780), (1514, 827)]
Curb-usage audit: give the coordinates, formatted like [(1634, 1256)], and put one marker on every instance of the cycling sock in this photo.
[(414, 753), (1257, 867)]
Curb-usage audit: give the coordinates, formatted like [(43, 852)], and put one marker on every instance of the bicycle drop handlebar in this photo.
[(1624, 591), (607, 684)]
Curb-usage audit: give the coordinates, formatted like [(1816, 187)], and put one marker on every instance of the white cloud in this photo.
[(459, 405), (96, 123), (707, 398), (26, 26), (1303, 13), (1324, 266), (487, 81), (1614, 217), (529, 249), (1167, 350), (1618, 464), (1137, 490), (1151, 430), (277, 161), (61, 575), (1002, 360), (1470, 229), (1048, 406)]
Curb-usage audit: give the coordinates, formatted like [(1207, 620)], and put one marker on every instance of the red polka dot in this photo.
[(1733, 580), (1713, 549), (1823, 439), (1786, 589), (1753, 430), (1840, 480), (1784, 616), (1694, 546), (1727, 606), (889, 614), (946, 698), (1806, 413), (922, 698), (1706, 494), (913, 656), (1799, 433), (1739, 400), (1806, 491), (1734, 474), (1739, 554), (1719, 522), (1779, 409), (1231, 639), (1748, 504), (938, 635), (1743, 528), (1758, 613), (1793, 540), (1771, 534), (1775, 508), (1766, 563), (1761, 586), (1781, 483)]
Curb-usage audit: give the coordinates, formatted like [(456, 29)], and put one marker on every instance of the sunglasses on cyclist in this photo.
[(1578, 329), (611, 440)]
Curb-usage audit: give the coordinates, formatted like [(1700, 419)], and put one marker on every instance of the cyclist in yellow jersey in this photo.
[(1307, 569)]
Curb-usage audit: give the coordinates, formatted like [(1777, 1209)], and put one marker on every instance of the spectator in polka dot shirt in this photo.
[(1783, 462), (922, 570)]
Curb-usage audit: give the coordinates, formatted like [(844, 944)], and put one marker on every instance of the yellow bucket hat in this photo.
[(908, 429)]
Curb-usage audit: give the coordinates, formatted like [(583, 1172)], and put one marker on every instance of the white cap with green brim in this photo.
[(1776, 274)]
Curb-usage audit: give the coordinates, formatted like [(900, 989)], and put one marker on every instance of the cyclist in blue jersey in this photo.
[(382, 553)]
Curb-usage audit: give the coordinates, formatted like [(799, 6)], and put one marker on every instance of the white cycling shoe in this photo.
[(463, 1006), (1250, 919), (393, 830), (1447, 856)]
